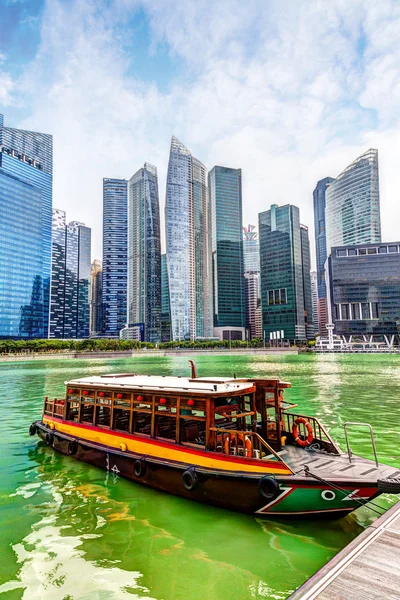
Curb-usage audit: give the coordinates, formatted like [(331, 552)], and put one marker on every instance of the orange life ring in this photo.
[(245, 439), (310, 437)]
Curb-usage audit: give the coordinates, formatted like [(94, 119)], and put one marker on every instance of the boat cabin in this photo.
[(233, 416)]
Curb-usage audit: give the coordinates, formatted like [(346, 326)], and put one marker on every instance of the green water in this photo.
[(70, 531)]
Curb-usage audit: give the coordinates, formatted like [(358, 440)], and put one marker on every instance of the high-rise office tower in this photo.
[(144, 254), (314, 299), (319, 198), (165, 305), (26, 175), (281, 267), (352, 204), (70, 287), (306, 268), (115, 256), (225, 186), (251, 256), (95, 297), (187, 224), (251, 249)]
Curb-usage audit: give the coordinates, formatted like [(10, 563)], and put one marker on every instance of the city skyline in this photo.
[(287, 121)]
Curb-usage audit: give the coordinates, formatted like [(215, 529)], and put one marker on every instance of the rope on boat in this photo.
[(344, 492)]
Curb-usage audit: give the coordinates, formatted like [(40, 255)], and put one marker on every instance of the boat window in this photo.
[(165, 404), (72, 411), (142, 402), (103, 416), (193, 431), (165, 426), (142, 423), (121, 419), (87, 413)]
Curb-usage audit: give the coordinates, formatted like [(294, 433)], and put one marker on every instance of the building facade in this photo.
[(115, 256), (225, 187), (306, 272), (165, 304), (70, 287), (281, 269), (144, 254), (187, 230), (26, 176), (352, 204), (319, 200), (364, 291), (95, 297), (251, 259), (314, 299)]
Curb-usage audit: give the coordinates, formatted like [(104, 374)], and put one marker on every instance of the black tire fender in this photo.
[(33, 429), (190, 479), (268, 487), (391, 485), (139, 468), (72, 447), (49, 439)]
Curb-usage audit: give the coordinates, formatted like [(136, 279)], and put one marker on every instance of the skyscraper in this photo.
[(115, 255), (352, 204), (188, 247), (319, 197), (306, 269), (251, 249), (165, 304), (314, 298), (282, 285), (26, 175), (225, 186), (251, 255), (95, 297), (70, 289), (144, 254)]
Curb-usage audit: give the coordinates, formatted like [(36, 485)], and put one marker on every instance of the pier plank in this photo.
[(367, 569)]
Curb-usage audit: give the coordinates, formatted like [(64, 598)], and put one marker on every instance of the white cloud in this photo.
[(289, 92)]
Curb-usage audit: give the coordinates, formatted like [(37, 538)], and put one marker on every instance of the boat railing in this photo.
[(319, 431), (54, 408), (244, 443), (371, 432)]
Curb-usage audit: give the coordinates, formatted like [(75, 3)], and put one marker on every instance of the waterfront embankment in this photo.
[(27, 356)]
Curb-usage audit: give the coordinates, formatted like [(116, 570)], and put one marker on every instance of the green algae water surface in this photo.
[(70, 531)]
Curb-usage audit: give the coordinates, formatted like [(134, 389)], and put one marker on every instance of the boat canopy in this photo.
[(200, 385)]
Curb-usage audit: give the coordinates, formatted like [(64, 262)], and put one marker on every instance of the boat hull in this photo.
[(233, 490)]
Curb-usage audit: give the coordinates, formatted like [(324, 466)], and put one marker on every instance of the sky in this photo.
[(289, 91)]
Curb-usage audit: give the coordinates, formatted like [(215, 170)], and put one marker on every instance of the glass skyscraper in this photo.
[(144, 254), (281, 264), (187, 225), (251, 257), (251, 249), (319, 198), (352, 204), (70, 283), (115, 255), (225, 187), (26, 174)]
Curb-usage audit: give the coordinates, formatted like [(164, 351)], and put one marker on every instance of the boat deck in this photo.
[(335, 466)]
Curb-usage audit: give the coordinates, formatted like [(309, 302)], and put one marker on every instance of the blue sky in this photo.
[(291, 92)]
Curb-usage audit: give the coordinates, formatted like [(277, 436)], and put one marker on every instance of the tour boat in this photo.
[(226, 441)]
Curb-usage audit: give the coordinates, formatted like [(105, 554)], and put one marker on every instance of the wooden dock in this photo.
[(367, 569)]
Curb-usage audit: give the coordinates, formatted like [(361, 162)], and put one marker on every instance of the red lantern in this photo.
[(140, 398), (163, 400), (70, 391), (85, 392), (101, 394), (119, 396), (191, 402)]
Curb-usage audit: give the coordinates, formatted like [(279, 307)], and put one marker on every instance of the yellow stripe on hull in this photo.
[(165, 452)]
